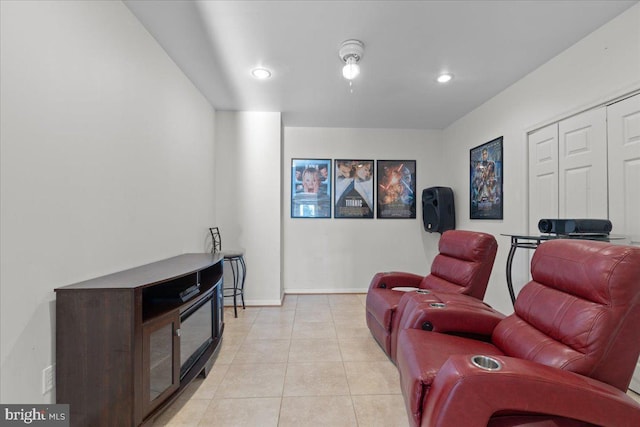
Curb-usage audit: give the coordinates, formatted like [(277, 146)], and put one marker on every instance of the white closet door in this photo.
[(543, 175), (624, 167), (624, 177), (582, 165)]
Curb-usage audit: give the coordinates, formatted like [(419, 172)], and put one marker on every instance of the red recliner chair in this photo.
[(565, 357), (463, 266)]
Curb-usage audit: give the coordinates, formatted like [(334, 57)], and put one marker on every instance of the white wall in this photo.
[(107, 154), (341, 255), (248, 170), (600, 67)]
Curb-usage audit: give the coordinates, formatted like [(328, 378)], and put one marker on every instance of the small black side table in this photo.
[(235, 259)]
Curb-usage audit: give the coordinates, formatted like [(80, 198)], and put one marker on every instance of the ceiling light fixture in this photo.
[(351, 52), (261, 73), (444, 78)]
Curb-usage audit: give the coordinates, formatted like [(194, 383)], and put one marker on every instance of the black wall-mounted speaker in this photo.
[(438, 210), (573, 226)]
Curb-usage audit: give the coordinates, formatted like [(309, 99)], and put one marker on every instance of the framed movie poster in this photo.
[(353, 189), (310, 188), (396, 189), (486, 180)]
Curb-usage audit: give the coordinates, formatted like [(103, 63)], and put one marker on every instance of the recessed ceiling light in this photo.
[(444, 78), (261, 73)]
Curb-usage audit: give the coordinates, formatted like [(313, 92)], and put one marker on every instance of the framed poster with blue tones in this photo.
[(486, 180), (310, 188)]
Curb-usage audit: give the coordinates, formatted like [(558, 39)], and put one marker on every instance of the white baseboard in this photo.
[(327, 291), (228, 301), (254, 303)]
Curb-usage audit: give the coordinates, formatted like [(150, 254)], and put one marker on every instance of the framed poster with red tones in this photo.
[(396, 189)]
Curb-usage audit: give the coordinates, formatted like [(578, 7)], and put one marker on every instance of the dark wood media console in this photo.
[(127, 344)]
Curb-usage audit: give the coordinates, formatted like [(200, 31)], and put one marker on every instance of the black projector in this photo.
[(575, 226)]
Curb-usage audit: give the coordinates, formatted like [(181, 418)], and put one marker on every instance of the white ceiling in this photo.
[(487, 45)]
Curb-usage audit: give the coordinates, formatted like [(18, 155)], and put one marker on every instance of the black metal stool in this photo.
[(235, 258)]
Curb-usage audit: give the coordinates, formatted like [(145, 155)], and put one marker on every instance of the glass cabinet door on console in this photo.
[(161, 359)]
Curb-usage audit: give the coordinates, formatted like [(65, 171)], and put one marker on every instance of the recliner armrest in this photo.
[(395, 279), (454, 314), (463, 394)]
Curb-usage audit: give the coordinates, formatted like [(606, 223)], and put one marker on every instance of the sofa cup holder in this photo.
[(487, 363), (437, 305)]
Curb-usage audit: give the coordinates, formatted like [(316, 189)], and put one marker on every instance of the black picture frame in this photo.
[(486, 180), (311, 188), (396, 189), (353, 188)]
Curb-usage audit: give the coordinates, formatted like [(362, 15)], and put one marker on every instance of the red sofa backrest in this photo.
[(464, 263), (580, 312)]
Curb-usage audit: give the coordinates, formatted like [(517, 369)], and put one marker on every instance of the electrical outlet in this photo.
[(48, 379)]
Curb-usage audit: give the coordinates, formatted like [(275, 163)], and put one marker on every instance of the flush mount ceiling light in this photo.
[(444, 78), (261, 73), (351, 52)]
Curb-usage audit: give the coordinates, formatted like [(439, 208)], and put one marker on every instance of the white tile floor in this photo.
[(311, 362)]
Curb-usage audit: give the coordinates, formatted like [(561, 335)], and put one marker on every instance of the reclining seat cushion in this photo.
[(422, 357), (577, 292)]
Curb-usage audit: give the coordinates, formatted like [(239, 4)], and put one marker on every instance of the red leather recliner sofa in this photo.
[(565, 357), (463, 266)]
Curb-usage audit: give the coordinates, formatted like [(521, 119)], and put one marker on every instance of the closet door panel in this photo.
[(624, 177), (543, 175), (624, 167), (582, 154), (577, 197), (623, 123)]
